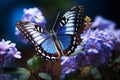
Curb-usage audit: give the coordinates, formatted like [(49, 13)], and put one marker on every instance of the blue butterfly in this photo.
[(62, 39)]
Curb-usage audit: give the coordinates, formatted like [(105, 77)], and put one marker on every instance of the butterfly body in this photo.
[(61, 40)]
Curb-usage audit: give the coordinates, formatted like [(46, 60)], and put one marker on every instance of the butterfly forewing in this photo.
[(40, 38), (69, 28)]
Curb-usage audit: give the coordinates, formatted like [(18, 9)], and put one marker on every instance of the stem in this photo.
[(36, 76)]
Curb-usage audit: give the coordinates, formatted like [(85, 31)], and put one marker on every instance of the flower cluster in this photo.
[(69, 64), (101, 23), (32, 15), (8, 51), (96, 47)]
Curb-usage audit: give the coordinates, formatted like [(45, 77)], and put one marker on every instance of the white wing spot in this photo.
[(39, 41), (70, 21), (71, 17), (41, 30), (29, 27), (37, 38), (32, 32), (69, 25), (35, 35), (48, 57)]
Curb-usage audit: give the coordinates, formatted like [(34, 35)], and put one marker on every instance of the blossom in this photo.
[(97, 47), (93, 46), (103, 23), (5, 77), (8, 51), (83, 58), (33, 15), (107, 26), (69, 64)]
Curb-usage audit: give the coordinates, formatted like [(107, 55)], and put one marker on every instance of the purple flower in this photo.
[(96, 48), (102, 23), (106, 25), (92, 46), (8, 51), (83, 59), (32, 15), (108, 40), (69, 64), (5, 77)]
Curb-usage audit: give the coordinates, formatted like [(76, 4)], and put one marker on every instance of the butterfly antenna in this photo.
[(37, 18), (56, 20)]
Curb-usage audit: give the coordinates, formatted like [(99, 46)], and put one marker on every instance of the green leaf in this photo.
[(24, 74), (34, 63), (45, 76), (95, 73), (117, 60)]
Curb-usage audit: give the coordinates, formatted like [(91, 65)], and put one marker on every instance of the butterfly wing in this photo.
[(69, 29), (40, 38)]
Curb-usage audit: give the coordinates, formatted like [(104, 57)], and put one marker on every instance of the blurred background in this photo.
[(12, 10)]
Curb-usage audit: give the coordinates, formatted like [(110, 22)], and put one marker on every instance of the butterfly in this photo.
[(62, 39)]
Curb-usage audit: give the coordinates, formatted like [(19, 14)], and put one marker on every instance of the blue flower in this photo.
[(83, 59), (69, 64), (106, 25), (32, 15), (96, 48), (8, 51), (5, 77), (108, 40), (102, 23), (92, 46)]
